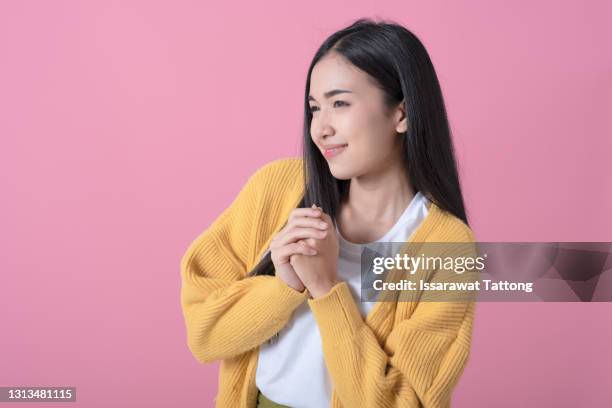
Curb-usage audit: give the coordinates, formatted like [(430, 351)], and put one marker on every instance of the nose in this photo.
[(320, 128), (322, 133)]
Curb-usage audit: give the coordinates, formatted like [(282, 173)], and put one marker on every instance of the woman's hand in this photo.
[(319, 273), (303, 223)]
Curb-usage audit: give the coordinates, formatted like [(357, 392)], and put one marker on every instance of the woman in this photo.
[(271, 287)]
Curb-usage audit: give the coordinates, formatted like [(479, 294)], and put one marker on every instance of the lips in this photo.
[(334, 150)]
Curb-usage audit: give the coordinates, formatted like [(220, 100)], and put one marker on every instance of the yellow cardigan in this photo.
[(405, 354)]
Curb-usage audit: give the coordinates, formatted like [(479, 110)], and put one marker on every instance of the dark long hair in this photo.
[(398, 62)]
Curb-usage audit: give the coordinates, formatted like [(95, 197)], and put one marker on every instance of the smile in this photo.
[(334, 152)]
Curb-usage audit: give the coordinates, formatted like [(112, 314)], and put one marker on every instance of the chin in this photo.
[(340, 173)]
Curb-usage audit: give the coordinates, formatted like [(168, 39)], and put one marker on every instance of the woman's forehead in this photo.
[(334, 73)]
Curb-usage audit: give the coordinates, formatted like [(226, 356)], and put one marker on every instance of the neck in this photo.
[(380, 196)]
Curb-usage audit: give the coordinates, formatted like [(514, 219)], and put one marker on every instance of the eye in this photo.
[(314, 108)]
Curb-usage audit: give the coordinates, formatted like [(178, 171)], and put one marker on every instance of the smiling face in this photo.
[(349, 110)]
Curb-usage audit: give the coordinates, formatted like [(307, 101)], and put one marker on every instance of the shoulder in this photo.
[(446, 227), (279, 175), (277, 167)]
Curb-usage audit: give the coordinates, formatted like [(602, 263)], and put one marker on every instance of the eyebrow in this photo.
[(331, 93)]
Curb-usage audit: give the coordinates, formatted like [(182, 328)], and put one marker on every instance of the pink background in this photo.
[(127, 127)]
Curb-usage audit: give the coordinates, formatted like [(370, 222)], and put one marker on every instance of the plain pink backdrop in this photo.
[(127, 127)]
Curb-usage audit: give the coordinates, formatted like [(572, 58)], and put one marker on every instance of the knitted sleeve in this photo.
[(418, 365), (226, 313)]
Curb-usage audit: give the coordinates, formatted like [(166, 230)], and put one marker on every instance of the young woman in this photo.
[(272, 287)]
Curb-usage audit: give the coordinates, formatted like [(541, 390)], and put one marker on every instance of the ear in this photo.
[(401, 118)]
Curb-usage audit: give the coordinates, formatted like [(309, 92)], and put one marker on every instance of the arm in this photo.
[(420, 363), (225, 312)]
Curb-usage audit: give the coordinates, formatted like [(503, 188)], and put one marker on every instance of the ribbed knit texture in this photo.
[(405, 354)]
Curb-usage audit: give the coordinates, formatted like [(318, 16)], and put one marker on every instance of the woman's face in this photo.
[(357, 119)]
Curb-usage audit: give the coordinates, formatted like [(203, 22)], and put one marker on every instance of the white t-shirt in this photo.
[(291, 371)]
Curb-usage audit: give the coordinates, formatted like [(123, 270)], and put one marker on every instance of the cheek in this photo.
[(370, 134), (356, 127)]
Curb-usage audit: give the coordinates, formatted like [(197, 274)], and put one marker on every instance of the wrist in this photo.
[(290, 279), (323, 288), (298, 286)]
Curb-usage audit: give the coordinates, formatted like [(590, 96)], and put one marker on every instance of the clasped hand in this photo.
[(305, 251), (319, 272)]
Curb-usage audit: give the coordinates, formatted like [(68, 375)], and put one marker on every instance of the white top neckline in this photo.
[(403, 218)]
